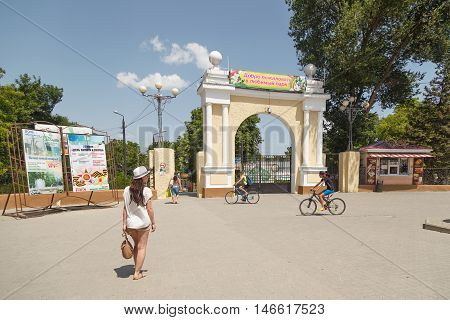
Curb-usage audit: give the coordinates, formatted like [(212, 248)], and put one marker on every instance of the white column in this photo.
[(319, 158), (305, 144), (209, 141), (225, 144)]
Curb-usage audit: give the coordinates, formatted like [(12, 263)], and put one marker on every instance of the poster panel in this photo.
[(371, 170), (43, 161), (267, 81), (88, 162), (66, 130), (418, 171)]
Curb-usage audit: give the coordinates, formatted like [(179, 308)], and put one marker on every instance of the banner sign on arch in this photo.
[(267, 81)]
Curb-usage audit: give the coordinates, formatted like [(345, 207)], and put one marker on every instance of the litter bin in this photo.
[(379, 186)]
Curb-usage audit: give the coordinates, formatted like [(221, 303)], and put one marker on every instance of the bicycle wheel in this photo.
[(231, 197), (253, 197), (308, 207), (336, 206)]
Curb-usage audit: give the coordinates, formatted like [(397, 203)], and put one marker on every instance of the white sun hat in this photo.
[(140, 172)]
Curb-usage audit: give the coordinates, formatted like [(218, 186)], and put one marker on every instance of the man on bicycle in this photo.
[(243, 184), (324, 180)]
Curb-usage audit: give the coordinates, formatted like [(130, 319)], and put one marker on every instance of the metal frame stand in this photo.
[(19, 183)]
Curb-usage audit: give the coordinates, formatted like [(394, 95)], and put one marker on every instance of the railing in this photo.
[(332, 164), (436, 176)]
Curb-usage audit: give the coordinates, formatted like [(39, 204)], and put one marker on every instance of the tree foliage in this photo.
[(189, 143), (134, 156), (423, 123), (248, 137), (363, 47), (26, 100)]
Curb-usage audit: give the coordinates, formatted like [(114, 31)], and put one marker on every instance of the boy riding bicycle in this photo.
[(324, 180)]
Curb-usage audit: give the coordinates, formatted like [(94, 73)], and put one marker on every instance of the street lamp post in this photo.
[(124, 143), (349, 106), (161, 101)]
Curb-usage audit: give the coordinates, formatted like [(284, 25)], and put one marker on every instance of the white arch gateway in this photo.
[(229, 97)]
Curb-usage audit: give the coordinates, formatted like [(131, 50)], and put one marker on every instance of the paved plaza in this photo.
[(206, 249)]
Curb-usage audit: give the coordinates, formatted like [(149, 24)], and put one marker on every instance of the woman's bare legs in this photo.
[(133, 234), (140, 239), (141, 251)]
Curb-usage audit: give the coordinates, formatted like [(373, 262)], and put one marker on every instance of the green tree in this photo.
[(188, 144), (248, 137), (394, 127), (26, 100), (134, 156), (423, 123), (363, 47), (429, 124)]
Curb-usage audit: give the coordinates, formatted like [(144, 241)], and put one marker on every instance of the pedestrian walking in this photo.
[(138, 216), (175, 187)]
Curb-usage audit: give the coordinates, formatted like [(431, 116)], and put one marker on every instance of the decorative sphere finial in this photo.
[(215, 57), (310, 70)]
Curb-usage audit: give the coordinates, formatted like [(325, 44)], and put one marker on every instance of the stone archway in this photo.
[(227, 104)]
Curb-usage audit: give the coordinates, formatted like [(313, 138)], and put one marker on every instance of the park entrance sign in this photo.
[(230, 97), (266, 81)]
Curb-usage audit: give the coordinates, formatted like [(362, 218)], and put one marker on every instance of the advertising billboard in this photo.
[(88, 162), (43, 161)]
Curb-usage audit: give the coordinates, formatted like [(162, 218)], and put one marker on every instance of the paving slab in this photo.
[(206, 249)]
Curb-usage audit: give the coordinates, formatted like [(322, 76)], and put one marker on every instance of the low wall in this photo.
[(42, 200), (413, 188), (215, 192)]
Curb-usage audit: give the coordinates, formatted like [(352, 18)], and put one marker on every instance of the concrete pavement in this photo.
[(206, 249)]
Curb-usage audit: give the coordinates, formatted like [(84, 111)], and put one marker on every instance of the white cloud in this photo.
[(178, 56), (192, 52), (201, 55), (153, 44), (168, 81)]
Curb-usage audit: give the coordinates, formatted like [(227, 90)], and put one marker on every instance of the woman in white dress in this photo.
[(138, 216)]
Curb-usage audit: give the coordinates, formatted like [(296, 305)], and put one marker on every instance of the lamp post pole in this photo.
[(160, 103), (349, 106), (160, 131), (124, 142)]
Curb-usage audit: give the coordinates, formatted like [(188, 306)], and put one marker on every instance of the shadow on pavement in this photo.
[(125, 271)]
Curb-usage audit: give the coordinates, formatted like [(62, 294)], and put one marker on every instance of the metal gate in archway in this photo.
[(270, 173)]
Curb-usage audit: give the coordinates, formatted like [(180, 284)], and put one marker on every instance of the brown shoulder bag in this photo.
[(127, 248)]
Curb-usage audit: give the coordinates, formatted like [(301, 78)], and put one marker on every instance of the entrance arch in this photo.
[(228, 98)]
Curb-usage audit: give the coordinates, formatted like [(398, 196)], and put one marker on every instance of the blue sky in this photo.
[(120, 37)]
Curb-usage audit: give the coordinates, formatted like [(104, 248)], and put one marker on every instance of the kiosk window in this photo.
[(393, 166)]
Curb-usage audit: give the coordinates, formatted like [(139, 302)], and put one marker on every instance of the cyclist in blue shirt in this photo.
[(324, 181)]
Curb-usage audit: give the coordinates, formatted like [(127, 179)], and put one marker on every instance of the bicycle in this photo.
[(335, 206), (232, 197)]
